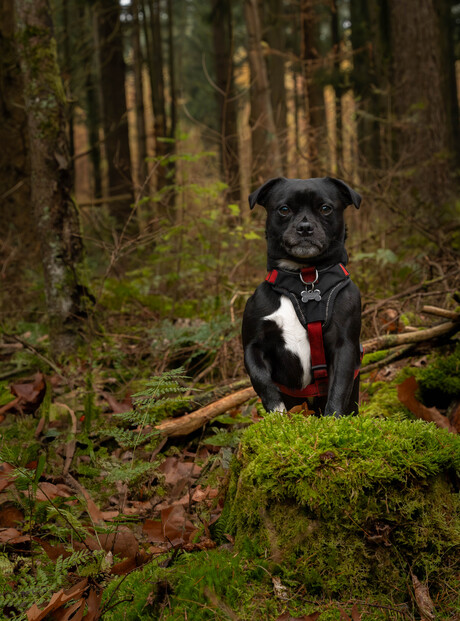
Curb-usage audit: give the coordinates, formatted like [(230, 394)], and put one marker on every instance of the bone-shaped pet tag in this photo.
[(315, 295)]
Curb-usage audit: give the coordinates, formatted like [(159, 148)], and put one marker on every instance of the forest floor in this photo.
[(104, 514)]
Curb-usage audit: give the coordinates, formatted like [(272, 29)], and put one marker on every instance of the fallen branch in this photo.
[(392, 340), (398, 352), (191, 422), (441, 312)]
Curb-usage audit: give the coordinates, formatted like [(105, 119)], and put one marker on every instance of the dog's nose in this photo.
[(304, 228)]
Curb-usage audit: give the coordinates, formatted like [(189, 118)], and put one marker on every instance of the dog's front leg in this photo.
[(260, 372), (342, 394)]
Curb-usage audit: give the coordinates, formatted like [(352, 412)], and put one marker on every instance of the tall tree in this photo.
[(222, 31), (115, 118), (274, 31), (313, 88), (139, 95), (370, 79), (266, 157), (14, 173), (424, 90), (163, 132), (54, 212)]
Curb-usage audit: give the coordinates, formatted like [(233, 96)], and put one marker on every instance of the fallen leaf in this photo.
[(10, 516), (93, 602), (176, 471), (406, 395), (57, 600), (30, 393), (423, 600), (6, 478), (117, 408), (455, 417), (175, 523), (49, 491), (12, 536), (53, 552), (355, 615), (343, 615), (301, 409), (122, 542), (153, 529), (204, 494), (204, 544), (75, 612), (129, 564)]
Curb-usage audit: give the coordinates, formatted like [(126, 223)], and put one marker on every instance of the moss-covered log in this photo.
[(351, 508), (53, 210)]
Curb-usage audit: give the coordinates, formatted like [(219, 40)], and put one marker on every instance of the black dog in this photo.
[(301, 327)]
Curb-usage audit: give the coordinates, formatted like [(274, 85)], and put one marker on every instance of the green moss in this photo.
[(346, 507), (381, 401), (375, 356), (442, 374)]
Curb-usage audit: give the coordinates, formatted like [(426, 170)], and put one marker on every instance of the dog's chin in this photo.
[(303, 250)]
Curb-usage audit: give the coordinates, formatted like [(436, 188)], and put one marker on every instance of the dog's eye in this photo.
[(284, 210), (325, 210)]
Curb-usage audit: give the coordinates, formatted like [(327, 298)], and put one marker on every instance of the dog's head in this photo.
[(305, 219)]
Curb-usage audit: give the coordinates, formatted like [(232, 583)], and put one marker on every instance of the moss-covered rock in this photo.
[(350, 507)]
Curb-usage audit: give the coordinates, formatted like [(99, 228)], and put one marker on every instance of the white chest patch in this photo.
[(294, 335)]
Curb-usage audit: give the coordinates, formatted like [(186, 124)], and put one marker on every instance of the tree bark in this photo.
[(371, 83), (266, 158), (55, 214), (313, 90), (139, 99), (115, 119), (422, 82), (275, 36), (222, 33), (14, 167)]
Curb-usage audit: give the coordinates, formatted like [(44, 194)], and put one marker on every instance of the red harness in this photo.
[(320, 380)]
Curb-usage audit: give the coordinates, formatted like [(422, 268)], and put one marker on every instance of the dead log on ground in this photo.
[(191, 422), (392, 340)]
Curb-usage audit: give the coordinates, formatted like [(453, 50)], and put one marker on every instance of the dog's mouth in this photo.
[(303, 248)]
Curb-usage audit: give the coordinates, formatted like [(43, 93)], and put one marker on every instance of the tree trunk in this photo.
[(371, 83), (338, 80), (55, 213), (421, 79), (313, 90), (139, 100), (222, 31), (115, 119), (14, 170), (275, 36), (266, 158)]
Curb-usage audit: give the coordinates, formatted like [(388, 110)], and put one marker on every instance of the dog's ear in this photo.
[(351, 197), (260, 195)]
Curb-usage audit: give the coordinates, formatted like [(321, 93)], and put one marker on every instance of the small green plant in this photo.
[(137, 426)]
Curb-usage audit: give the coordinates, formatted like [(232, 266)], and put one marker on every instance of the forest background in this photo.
[(127, 158), (131, 135)]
